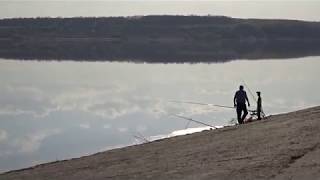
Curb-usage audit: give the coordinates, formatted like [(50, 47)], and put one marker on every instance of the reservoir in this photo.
[(55, 110)]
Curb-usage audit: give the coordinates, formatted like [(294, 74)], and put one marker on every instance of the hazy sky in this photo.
[(303, 10)]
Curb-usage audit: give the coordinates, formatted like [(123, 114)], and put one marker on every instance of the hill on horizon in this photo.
[(164, 39)]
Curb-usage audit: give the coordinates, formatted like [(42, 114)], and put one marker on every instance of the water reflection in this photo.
[(56, 110)]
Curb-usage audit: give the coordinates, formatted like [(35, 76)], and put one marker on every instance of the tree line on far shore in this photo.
[(157, 38)]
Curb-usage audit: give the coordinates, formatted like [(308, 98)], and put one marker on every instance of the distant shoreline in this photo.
[(165, 39)]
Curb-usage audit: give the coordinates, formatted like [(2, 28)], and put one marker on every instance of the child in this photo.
[(259, 105)]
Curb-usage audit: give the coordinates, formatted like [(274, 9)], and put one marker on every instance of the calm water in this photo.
[(55, 110)]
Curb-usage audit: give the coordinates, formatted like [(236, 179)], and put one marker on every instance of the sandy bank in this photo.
[(286, 146)]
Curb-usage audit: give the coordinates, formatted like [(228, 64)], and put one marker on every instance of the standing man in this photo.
[(259, 105), (239, 102)]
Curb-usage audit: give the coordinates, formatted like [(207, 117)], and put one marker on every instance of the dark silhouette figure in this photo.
[(259, 105), (239, 102)]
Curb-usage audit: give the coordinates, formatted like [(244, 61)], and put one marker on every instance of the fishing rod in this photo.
[(190, 119), (205, 104), (253, 96), (140, 136), (187, 125)]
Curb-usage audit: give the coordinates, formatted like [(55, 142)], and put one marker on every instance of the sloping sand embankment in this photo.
[(285, 146)]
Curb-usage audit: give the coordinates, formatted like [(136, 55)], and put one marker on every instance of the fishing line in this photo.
[(190, 119)]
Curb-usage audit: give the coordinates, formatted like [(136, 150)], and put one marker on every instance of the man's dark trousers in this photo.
[(241, 107)]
